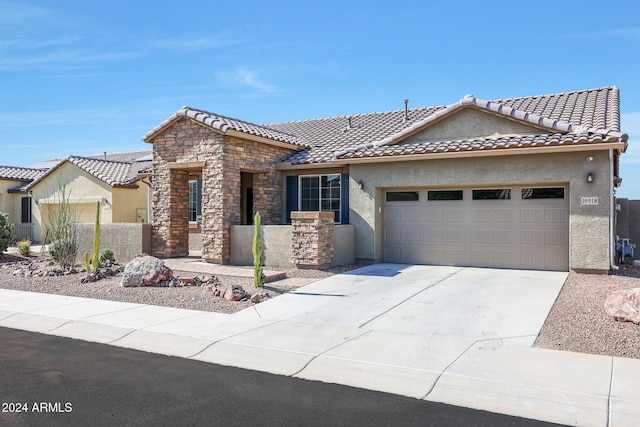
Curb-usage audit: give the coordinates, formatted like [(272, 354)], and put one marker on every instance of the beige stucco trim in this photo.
[(186, 165), (485, 153)]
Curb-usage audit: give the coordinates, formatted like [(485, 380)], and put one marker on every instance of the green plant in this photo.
[(61, 221), (6, 232), (63, 250), (259, 278), (106, 254), (24, 247), (95, 260)]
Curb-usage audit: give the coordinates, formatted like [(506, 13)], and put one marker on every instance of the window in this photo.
[(402, 196), (195, 201), (543, 193), (320, 193), (444, 195), (25, 217), (497, 194)]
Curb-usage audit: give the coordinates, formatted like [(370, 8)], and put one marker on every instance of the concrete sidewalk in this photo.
[(461, 336)]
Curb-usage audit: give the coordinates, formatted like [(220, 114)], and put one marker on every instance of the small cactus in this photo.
[(259, 278), (95, 259)]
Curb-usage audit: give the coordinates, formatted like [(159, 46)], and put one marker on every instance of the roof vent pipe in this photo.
[(105, 155), (406, 110), (350, 126)]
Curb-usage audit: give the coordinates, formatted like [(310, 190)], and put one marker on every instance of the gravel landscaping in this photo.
[(22, 273), (577, 322)]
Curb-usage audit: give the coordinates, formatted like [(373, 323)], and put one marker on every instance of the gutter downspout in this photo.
[(612, 212)]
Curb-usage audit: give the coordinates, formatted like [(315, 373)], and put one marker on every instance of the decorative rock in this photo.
[(256, 298), (624, 305), (235, 293), (145, 270)]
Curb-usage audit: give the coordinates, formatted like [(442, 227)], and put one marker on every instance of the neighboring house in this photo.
[(14, 202), (515, 183), (108, 178)]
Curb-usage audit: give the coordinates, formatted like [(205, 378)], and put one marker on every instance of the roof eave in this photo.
[(483, 153), (263, 140)]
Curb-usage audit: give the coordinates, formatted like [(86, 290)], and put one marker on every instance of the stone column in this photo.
[(312, 239), (171, 214)]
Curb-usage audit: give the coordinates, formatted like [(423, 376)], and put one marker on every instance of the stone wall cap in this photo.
[(312, 215)]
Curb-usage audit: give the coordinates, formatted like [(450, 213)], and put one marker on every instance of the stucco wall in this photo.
[(10, 202), (277, 245), (126, 201), (82, 191), (472, 123), (125, 240), (589, 240)]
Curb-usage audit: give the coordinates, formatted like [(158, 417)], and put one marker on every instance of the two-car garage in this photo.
[(510, 226)]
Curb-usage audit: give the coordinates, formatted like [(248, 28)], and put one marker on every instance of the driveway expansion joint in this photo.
[(329, 349), (232, 336)]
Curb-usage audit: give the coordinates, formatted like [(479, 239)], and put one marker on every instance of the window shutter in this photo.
[(291, 196), (344, 196)]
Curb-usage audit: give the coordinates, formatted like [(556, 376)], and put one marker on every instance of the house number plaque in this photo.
[(589, 201)]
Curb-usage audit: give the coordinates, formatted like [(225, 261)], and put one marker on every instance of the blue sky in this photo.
[(82, 77)]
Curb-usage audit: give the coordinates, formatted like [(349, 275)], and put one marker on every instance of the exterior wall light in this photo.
[(590, 177), (360, 185)]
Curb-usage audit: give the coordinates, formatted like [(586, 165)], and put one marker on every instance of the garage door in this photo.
[(525, 227)]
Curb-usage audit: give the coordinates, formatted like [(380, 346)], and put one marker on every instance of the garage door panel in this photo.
[(432, 215), (556, 215), (480, 215), (556, 237), (535, 215), (531, 237), (503, 215), (503, 236), (481, 236), (412, 235), (393, 215), (455, 236), (525, 233), (411, 215), (435, 236), (455, 215)]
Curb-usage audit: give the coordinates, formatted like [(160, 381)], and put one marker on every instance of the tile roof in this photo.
[(113, 173), (580, 117), (15, 173), (130, 156), (570, 118), (224, 124)]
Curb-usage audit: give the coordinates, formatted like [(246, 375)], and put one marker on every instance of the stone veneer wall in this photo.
[(312, 239), (219, 159)]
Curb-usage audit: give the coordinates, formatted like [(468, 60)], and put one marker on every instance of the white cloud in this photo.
[(246, 77)]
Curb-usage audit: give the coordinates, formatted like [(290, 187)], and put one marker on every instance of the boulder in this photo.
[(145, 270), (624, 305), (235, 293)]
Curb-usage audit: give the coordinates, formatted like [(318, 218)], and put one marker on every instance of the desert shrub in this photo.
[(62, 230), (6, 232), (24, 247), (63, 252), (106, 254)]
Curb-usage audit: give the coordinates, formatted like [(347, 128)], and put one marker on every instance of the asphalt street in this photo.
[(48, 381)]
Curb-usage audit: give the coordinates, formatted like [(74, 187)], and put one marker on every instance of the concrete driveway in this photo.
[(454, 302), (455, 335)]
